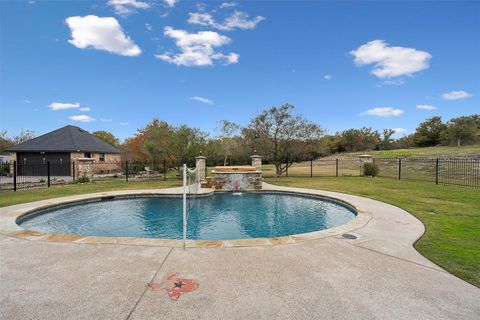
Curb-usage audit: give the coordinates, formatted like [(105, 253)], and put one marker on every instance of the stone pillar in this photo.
[(84, 167), (201, 164), (257, 162)]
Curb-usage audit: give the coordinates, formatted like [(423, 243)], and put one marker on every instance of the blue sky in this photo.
[(114, 65)]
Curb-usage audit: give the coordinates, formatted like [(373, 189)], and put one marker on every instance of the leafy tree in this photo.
[(106, 136), (282, 137), (184, 145), (429, 133), (132, 148), (156, 139), (404, 142), (178, 145), (463, 130)]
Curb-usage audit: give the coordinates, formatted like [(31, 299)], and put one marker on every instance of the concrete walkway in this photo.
[(377, 276)]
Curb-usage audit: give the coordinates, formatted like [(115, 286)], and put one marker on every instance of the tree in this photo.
[(108, 137), (430, 132), (463, 129), (132, 148), (282, 137), (178, 145), (5, 143), (23, 136), (156, 139), (386, 141), (228, 133)]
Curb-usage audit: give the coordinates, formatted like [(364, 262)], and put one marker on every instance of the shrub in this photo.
[(370, 169), (82, 179)]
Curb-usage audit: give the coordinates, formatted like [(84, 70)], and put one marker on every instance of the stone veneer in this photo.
[(112, 163)]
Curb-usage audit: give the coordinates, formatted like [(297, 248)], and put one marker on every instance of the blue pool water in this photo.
[(221, 216)]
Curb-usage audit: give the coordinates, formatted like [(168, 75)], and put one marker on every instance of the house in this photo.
[(61, 148)]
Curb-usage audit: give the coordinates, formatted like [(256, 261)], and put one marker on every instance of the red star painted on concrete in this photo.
[(175, 286)]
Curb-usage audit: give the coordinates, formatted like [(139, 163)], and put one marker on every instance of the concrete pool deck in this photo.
[(379, 275)]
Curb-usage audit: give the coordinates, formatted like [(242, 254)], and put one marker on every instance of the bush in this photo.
[(82, 179), (370, 169)]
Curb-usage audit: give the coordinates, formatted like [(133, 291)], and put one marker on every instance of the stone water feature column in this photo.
[(201, 164), (257, 161)]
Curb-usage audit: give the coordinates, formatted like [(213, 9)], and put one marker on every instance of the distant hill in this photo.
[(429, 152)]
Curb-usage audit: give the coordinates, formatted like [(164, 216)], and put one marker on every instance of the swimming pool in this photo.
[(220, 216)]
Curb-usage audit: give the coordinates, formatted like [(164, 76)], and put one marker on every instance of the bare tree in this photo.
[(23, 136), (282, 137)]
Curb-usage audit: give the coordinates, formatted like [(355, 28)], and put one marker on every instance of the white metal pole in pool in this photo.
[(184, 204)]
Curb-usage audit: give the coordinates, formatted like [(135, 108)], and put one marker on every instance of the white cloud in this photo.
[(455, 95), (237, 20), (203, 100), (81, 118), (170, 3), (101, 34), (327, 77), (148, 26), (383, 112), (124, 124), (395, 82), (227, 5), (26, 101), (126, 7), (390, 61), (105, 120), (197, 49), (84, 109), (54, 106), (400, 131), (425, 107)]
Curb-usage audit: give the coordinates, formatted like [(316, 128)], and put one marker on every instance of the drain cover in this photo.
[(349, 236)]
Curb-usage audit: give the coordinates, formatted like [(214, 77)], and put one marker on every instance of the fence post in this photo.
[(336, 167), (126, 171), (286, 172), (311, 168), (436, 172), (48, 174), (73, 170), (399, 168), (164, 169), (14, 175)]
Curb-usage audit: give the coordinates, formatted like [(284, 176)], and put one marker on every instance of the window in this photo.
[(87, 155), (101, 157)]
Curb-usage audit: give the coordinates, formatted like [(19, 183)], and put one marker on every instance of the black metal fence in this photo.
[(16, 176), (460, 172), (464, 172)]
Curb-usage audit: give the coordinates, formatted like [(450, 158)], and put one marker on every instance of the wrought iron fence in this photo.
[(16, 176), (463, 172)]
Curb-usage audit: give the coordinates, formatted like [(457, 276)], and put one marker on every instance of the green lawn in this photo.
[(429, 152), (451, 216), (8, 198)]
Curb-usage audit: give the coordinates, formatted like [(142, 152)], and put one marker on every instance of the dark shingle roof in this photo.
[(66, 139)]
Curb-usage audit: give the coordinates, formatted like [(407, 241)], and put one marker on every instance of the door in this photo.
[(35, 163)]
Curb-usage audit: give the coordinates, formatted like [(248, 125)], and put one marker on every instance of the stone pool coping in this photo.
[(9, 216)]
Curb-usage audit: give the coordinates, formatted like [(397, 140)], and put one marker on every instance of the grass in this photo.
[(429, 152), (9, 198), (451, 216)]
